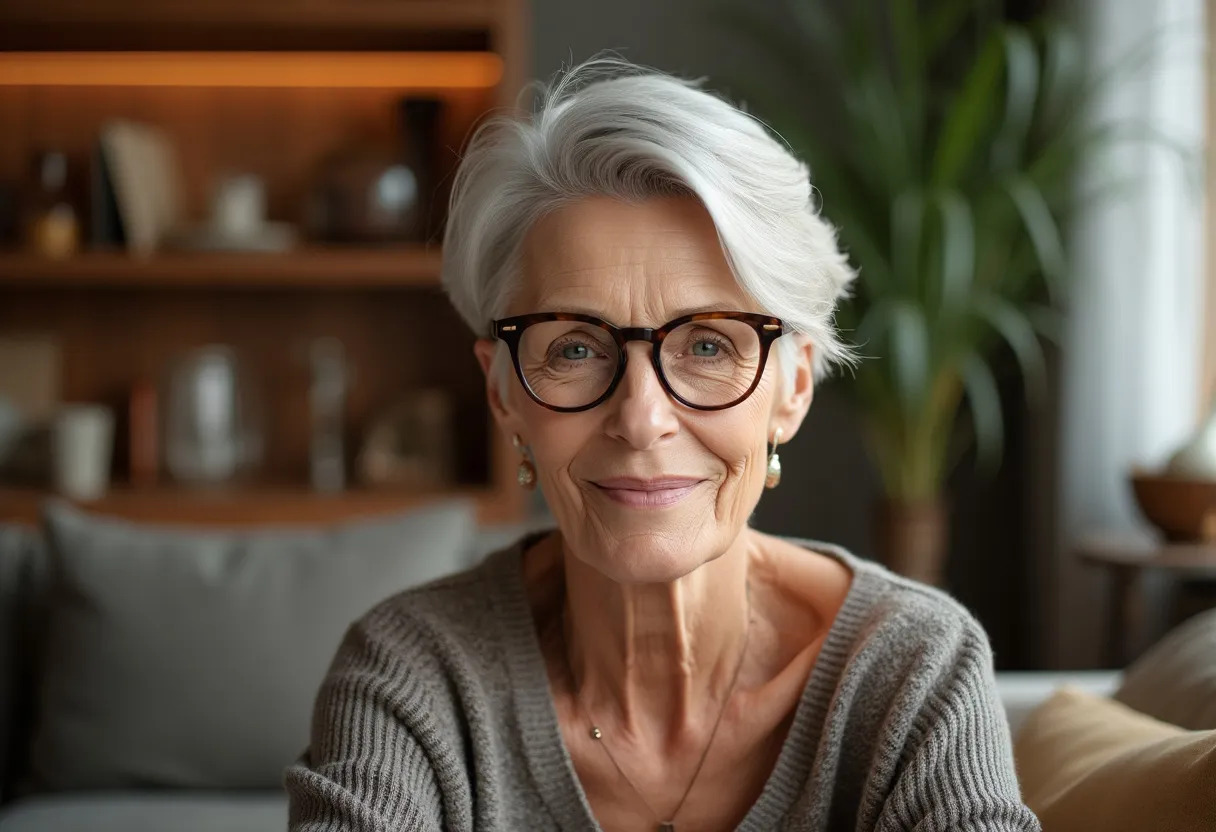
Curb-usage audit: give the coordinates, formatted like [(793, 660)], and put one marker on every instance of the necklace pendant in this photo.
[(667, 826)]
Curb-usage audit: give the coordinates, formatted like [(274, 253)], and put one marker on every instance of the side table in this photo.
[(1126, 558)]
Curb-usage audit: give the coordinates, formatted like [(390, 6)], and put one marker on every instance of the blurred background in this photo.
[(220, 317)]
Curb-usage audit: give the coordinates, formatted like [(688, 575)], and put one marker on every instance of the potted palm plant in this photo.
[(943, 139)]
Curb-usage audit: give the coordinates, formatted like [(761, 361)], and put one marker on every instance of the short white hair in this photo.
[(608, 127)]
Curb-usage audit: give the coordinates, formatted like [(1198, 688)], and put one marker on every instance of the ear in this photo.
[(794, 398), (508, 419)]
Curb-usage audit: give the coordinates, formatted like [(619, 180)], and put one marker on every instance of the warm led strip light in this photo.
[(368, 70)]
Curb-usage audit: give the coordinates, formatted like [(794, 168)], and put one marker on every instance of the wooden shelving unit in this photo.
[(306, 268), (273, 89), (275, 15), (283, 504)]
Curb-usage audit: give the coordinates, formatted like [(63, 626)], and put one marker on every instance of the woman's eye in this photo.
[(705, 349), (575, 352)]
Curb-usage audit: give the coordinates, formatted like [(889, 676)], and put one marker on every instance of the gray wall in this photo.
[(673, 35)]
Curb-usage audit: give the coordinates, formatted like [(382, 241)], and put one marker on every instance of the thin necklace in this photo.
[(598, 735)]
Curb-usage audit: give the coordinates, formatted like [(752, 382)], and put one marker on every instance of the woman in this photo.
[(657, 291)]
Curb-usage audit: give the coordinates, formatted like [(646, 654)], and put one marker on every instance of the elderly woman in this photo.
[(656, 292)]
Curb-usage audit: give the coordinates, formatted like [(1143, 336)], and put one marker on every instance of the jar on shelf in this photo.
[(51, 225)]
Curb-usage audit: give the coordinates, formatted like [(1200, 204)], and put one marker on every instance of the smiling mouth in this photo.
[(638, 493)]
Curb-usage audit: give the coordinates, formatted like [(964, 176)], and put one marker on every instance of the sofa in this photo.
[(159, 679)]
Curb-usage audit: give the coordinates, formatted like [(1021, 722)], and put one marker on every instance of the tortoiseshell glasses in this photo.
[(708, 361)]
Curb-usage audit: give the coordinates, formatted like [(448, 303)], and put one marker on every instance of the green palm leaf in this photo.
[(984, 399), (958, 246), (970, 118), (1015, 327), (1041, 228)]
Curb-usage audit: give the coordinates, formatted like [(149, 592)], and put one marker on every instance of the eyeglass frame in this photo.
[(510, 330)]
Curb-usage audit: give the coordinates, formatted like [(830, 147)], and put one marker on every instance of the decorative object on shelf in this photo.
[(912, 536), (143, 439), (29, 385), (411, 444), (51, 225), (11, 427), (10, 233), (82, 444), (331, 379), (370, 194), (105, 220), (142, 165), (238, 205), (29, 373), (213, 418), (420, 117), (1183, 508), (1197, 458), (238, 221), (1180, 500)]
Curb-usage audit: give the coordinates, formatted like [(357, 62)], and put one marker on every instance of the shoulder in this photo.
[(899, 624), (456, 607), (398, 698), (888, 600), (920, 611), (449, 627)]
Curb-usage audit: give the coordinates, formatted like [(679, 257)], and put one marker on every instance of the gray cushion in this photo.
[(181, 659), (1175, 681), (149, 812)]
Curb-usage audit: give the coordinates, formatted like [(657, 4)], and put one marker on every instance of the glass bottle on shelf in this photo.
[(213, 418), (331, 378), (51, 225)]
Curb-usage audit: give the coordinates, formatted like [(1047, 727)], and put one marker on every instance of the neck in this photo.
[(656, 660)]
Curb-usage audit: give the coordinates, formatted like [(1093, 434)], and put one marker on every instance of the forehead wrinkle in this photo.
[(626, 308), (626, 274), (623, 245)]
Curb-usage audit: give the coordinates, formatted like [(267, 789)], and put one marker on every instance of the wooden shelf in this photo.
[(419, 14), (415, 71), (330, 268), (247, 506)]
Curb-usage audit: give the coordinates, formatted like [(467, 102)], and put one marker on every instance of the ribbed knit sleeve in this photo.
[(956, 772), (365, 769)]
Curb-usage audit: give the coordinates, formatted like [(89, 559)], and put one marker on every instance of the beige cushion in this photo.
[(1175, 681), (1089, 763)]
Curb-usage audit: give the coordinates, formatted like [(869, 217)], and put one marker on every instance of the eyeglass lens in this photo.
[(707, 363)]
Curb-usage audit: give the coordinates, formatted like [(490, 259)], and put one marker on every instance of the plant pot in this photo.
[(913, 538)]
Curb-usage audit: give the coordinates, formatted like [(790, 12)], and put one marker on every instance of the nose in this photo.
[(640, 412)]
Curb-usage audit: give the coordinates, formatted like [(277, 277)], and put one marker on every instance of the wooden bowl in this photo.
[(1184, 509)]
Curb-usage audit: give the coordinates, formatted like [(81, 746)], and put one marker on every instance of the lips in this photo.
[(659, 492)]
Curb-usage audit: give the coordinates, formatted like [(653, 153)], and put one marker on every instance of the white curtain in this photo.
[(1131, 360)]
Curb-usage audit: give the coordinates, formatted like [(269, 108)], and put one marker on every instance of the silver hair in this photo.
[(608, 127)]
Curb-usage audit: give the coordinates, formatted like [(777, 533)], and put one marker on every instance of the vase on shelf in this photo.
[(913, 538), (1197, 458), (372, 193), (213, 418)]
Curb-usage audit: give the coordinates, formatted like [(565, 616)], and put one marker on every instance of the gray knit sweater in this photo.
[(436, 715)]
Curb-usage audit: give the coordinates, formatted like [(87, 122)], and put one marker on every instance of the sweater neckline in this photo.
[(540, 736)]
